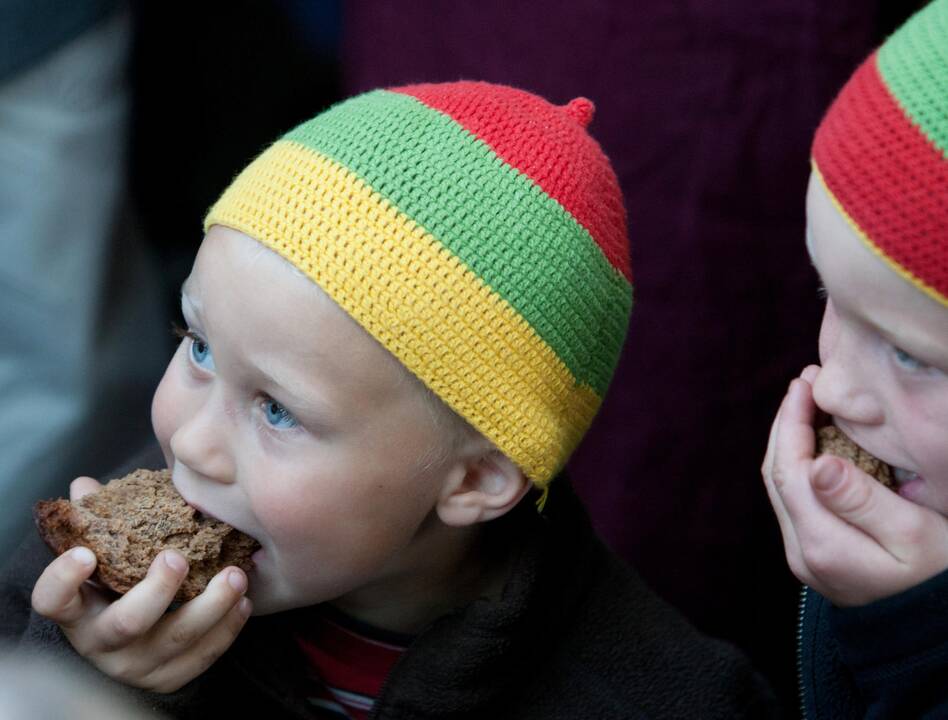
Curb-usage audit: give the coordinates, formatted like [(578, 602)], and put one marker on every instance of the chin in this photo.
[(267, 602), (264, 603)]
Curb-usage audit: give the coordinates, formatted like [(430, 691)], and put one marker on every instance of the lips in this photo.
[(201, 511), (184, 497)]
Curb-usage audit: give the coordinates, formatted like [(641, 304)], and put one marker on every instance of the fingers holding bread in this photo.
[(790, 456), (82, 486), (845, 535), (767, 470), (130, 520), (220, 611), (193, 657), (134, 615), (832, 441), (136, 642), (58, 593), (141, 540)]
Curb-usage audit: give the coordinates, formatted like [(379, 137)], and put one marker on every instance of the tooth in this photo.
[(903, 476)]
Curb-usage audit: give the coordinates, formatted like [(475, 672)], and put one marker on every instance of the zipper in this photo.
[(800, 613)]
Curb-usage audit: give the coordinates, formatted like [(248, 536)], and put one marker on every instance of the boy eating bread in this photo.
[(873, 628), (401, 321)]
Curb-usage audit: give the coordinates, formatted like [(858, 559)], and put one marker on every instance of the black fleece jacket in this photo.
[(888, 659), (575, 634)]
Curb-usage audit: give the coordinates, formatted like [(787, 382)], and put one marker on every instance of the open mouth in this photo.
[(200, 513), (908, 484), (903, 477)]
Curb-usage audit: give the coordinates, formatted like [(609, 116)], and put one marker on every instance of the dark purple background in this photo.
[(706, 110)]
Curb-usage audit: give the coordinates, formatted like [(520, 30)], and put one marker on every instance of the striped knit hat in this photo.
[(476, 231), (882, 151)]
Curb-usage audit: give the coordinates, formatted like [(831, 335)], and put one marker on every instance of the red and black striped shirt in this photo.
[(348, 663)]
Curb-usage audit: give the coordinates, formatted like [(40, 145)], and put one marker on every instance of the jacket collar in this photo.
[(467, 658)]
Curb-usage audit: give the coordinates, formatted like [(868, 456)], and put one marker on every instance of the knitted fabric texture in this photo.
[(882, 151), (475, 230)]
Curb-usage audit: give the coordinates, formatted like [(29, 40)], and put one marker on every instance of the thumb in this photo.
[(844, 490), (899, 526), (82, 486), (852, 495)]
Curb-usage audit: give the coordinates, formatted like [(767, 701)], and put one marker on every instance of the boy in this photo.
[(402, 318), (874, 631)]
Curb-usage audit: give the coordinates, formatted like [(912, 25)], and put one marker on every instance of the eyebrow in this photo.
[(324, 409), (186, 297), (923, 346), (307, 403)]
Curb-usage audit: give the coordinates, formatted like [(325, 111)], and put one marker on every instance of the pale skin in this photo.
[(281, 416), (883, 380)]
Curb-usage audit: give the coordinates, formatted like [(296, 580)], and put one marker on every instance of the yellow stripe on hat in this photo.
[(444, 324)]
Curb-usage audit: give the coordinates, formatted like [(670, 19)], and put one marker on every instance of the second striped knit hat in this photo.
[(882, 151), (475, 230)]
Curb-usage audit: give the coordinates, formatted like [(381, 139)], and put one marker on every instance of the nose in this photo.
[(844, 387), (201, 442)]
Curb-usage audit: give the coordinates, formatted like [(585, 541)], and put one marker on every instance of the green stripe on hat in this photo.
[(914, 63), (497, 221)]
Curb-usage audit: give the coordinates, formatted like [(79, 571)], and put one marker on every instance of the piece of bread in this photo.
[(130, 520), (831, 441)]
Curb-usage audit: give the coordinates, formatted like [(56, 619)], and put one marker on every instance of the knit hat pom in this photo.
[(581, 110)]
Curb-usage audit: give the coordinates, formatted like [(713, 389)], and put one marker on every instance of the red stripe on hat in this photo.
[(888, 176), (546, 143)]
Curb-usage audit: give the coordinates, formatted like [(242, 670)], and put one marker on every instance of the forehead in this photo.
[(863, 284), (262, 311)]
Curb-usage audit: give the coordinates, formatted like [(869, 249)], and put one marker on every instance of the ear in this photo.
[(480, 488)]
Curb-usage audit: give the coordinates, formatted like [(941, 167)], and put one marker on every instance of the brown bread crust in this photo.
[(132, 519), (831, 441)]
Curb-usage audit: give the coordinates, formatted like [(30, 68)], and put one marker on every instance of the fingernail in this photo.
[(175, 561), (829, 476), (84, 556), (237, 580), (244, 606)]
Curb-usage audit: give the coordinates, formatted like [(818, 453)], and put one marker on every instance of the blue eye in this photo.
[(907, 361), (277, 415), (201, 352)]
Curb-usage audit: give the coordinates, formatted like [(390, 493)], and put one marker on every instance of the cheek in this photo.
[(287, 516), (829, 329), (350, 523), (168, 406), (929, 429)]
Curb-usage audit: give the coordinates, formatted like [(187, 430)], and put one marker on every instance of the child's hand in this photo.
[(845, 535), (132, 639)]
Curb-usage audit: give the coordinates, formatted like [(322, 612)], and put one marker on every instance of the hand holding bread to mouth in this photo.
[(830, 440), (138, 537), (845, 533), (131, 520)]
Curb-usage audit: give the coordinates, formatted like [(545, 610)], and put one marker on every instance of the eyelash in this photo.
[(182, 333), (264, 400), (906, 361)]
